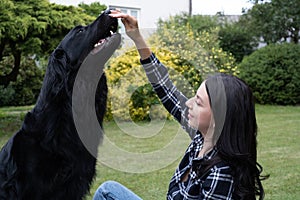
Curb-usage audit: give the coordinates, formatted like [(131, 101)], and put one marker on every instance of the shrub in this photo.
[(237, 39), (198, 50), (6, 95), (130, 95), (273, 73)]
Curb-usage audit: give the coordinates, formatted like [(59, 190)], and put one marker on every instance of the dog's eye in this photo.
[(80, 30)]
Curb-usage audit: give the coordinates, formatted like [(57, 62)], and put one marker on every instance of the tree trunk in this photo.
[(296, 36), (2, 46), (12, 76), (190, 7)]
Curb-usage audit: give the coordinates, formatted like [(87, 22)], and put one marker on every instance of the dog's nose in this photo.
[(107, 11)]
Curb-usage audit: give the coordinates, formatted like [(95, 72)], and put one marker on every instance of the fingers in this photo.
[(115, 11), (126, 19), (130, 23), (118, 14)]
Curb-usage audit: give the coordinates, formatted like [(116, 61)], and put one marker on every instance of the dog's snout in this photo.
[(107, 11)]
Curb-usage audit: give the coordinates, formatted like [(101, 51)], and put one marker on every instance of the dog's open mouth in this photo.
[(98, 46), (101, 41)]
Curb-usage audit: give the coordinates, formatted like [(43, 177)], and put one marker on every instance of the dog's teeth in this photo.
[(99, 43), (111, 32)]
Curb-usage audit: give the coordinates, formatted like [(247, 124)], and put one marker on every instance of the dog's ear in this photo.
[(60, 54), (57, 71), (58, 64)]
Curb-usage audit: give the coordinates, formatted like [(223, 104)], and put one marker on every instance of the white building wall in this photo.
[(150, 10)]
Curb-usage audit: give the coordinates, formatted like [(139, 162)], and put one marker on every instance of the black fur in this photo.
[(45, 159)]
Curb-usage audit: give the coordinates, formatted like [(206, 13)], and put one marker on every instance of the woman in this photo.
[(221, 161)]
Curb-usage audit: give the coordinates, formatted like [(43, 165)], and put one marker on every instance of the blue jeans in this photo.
[(111, 190)]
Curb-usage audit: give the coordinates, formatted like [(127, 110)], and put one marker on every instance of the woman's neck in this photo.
[(207, 146)]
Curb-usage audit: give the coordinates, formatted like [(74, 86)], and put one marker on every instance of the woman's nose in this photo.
[(188, 103)]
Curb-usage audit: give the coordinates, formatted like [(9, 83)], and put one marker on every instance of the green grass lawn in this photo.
[(143, 157)]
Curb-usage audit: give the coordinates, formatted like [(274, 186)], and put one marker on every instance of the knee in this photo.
[(108, 185), (106, 189)]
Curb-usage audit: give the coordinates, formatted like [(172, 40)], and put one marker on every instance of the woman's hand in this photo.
[(130, 23), (132, 30)]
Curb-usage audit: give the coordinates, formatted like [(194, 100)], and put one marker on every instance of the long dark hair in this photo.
[(236, 142)]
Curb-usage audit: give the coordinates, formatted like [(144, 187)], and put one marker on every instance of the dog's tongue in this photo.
[(101, 41)]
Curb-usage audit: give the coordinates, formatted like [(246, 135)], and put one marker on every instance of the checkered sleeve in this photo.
[(172, 99), (218, 185)]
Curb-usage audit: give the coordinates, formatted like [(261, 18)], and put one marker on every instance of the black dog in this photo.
[(46, 159)]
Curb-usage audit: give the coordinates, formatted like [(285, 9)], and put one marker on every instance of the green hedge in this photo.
[(273, 73)]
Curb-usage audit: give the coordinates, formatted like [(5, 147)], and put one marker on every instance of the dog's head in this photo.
[(81, 40), (67, 58)]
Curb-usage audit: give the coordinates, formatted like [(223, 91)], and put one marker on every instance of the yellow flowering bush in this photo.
[(130, 94)]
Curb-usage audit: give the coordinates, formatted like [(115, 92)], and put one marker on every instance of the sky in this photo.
[(204, 7), (211, 7)]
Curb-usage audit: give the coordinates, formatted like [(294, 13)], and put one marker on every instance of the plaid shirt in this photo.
[(217, 183)]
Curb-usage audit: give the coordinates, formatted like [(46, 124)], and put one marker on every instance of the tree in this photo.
[(33, 27), (93, 9), (276, 20), (237, 38), (195, 39), (234, 37), (201, 23)]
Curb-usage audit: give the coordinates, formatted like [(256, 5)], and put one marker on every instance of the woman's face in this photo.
[(199, 110)]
